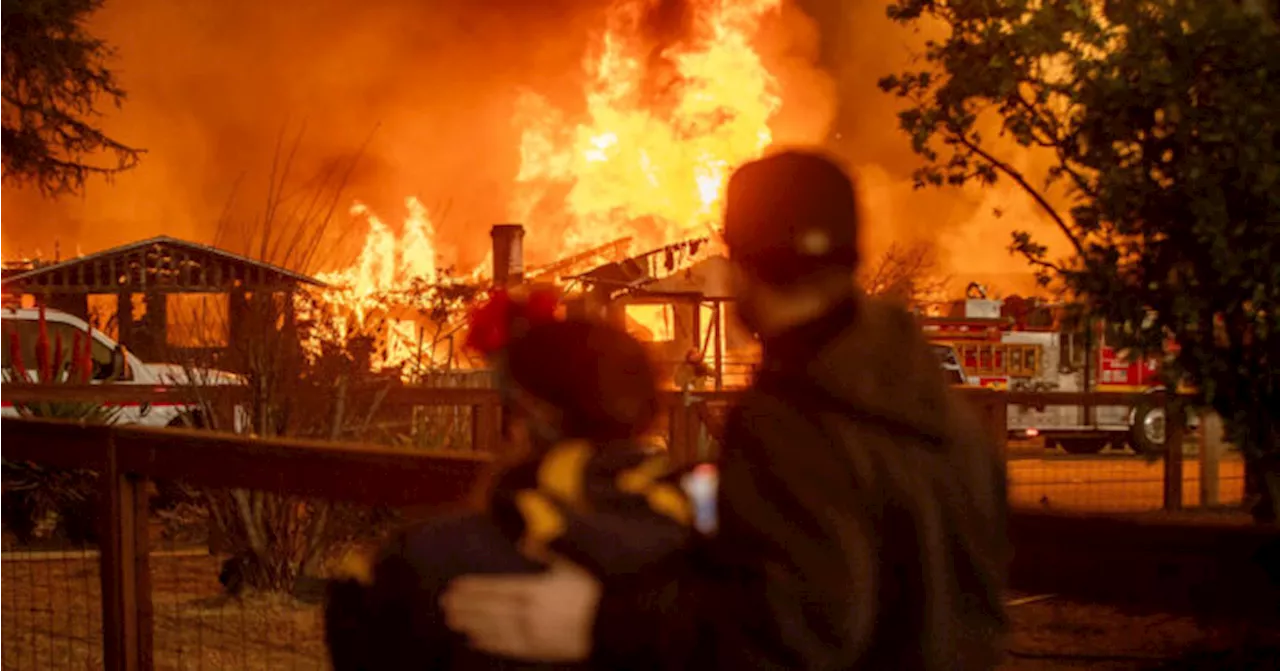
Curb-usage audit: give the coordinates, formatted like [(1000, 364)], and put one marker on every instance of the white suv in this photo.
[(112, 364)]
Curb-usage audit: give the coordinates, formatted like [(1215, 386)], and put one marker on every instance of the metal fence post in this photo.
[(1175, 422), (126, 576)]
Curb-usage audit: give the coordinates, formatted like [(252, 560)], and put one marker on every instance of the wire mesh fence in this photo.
[(198, 625), (236, 580), (237, 576), (51, 610), (1116, 480), (1043, 475)]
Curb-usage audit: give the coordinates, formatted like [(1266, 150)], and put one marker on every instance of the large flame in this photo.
[(664, 126), (392, 293), (662, 131), (387, 263)]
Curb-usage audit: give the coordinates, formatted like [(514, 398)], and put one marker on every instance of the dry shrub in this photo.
[(305, 379)]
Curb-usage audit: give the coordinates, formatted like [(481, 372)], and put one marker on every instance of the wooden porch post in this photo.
[(124, 319), (76, 304), (719, 346)]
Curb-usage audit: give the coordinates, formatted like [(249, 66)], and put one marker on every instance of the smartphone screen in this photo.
[(700, 486)]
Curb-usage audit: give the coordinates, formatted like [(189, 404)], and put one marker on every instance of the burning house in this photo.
[(677, 299), (641, 164), (165, 299)]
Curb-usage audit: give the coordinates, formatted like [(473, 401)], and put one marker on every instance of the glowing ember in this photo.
[(661, 134)]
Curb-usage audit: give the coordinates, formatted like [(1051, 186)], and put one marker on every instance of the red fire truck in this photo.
[(1021, 345)]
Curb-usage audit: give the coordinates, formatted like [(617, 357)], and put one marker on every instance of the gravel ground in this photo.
[(1054, 634)]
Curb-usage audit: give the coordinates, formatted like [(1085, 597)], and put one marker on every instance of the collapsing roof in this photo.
[(160, 264), (708, 278), (644, 270)]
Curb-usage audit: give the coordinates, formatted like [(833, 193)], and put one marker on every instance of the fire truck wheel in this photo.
[(1146, 436), (1082, 445)]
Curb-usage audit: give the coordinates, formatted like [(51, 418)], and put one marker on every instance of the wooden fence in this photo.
[(685, 416), (1221, 563)]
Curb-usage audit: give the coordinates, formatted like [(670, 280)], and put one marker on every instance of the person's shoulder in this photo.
[(888, 322), (776, 411)]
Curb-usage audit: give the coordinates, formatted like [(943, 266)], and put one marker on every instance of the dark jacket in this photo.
[(862, 521), (610, 509)]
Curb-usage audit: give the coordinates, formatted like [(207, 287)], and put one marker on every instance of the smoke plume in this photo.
[(212, 86), (431, 87)]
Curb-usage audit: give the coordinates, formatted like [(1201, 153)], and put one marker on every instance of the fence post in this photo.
[(1210, 456), (998, 420), (126, 577), (678, 430), (1175, 422), (486, 427)]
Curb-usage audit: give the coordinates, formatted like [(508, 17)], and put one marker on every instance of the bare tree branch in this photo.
[(1021, 181)]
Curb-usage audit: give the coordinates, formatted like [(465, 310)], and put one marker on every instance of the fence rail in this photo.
[(1166, 556), (688, 416)]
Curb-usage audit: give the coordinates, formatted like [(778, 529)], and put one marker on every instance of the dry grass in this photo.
[(52, 621), (1111, 483), (51, 613)]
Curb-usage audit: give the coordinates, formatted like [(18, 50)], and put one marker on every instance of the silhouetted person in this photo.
[(862, 506), (582, 394)]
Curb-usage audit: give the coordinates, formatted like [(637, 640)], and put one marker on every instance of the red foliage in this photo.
[(43, 363), (57, 355), (76, 361), (80, 366), (84, 358), (15, 357)]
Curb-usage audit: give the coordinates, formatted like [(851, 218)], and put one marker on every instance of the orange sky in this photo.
[(212, 84)]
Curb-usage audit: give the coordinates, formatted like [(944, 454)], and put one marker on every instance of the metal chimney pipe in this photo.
[(508, 254)]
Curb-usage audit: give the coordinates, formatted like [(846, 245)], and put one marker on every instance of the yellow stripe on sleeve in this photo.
[(638, 479), (662, 497), (562, 471), (543, 522), (670, 501)]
